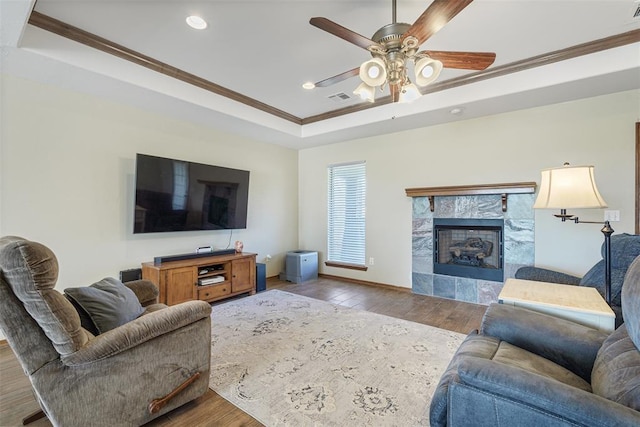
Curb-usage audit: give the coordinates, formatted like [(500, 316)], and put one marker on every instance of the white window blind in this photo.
[(346, 202)]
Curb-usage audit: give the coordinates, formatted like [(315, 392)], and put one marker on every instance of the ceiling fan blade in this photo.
[(338, 78), (462, 60), (342, 32), (434, 18)]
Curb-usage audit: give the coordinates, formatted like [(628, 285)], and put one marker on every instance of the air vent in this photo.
[(634, 11), (339, 97)]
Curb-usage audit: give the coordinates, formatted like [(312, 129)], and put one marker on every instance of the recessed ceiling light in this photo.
[(196, 22), (308, 85), (456, 110)]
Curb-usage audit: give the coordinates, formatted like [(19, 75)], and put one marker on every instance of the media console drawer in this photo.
[(204, 278), (213, 292)]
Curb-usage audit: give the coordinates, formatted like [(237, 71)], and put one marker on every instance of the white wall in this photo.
[(67, 170), (67, 177), (511, 147)]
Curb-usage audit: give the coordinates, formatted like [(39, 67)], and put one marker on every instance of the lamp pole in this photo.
[(607, 231)]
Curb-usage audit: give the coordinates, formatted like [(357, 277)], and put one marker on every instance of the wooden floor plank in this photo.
[(17, 401)]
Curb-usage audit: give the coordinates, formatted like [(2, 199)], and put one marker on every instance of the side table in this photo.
[(580, 304)]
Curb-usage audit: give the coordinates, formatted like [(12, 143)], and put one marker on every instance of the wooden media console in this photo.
[(204, 278)]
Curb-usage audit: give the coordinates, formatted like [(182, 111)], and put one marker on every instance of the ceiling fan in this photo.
[(395, 44)]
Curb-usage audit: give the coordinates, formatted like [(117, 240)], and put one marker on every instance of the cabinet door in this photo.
[(243, 275), (181, 285)]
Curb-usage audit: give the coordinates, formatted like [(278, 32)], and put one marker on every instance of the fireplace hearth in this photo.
[(471, 248)]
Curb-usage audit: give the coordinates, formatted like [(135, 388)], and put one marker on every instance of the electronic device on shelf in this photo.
[(211, 280), (210, 269), (168, 258)]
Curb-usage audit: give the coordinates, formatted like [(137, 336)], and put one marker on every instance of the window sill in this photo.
[(359, 267)]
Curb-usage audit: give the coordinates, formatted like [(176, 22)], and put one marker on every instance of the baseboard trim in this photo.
[(356, 281), (366, 282)]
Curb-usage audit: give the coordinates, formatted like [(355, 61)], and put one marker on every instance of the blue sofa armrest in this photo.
[(568, 344), (543, 275), (488, 393)]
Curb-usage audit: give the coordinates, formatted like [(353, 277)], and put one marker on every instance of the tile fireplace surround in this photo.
[(518, 237)]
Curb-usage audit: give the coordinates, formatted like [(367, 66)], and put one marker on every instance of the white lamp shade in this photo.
[(408, 93), (427, 70), (366, 92), (373, 72), (569, 187)]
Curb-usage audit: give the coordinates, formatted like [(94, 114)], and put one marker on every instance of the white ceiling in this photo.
[(265, 50)]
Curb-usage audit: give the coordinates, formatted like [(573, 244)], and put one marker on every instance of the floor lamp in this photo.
[(575, 187)]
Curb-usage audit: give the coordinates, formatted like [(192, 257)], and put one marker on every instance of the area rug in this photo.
[(288, 360)]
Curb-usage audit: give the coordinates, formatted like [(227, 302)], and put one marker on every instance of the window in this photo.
[(346, 216)]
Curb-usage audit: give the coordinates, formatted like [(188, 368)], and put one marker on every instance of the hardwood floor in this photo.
[(395, 302), (17, 401)]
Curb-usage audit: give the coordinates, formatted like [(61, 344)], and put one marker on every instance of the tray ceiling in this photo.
[(245, 71)]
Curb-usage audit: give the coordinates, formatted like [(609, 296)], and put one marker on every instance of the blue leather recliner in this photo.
[(525, 368)]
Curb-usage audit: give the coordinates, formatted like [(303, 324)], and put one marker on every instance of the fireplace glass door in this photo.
[(471, 248)]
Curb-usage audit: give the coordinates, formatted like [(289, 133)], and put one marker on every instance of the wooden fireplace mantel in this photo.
[(473, 190)]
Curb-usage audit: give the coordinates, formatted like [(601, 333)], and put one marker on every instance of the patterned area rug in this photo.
[(289, 360)]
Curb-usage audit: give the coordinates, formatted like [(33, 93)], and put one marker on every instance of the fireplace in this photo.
[(509, 205), (471, 248)]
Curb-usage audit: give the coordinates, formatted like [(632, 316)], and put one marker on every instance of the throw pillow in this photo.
[(85, 320), (108, 303)]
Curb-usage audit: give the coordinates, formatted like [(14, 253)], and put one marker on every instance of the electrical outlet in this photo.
[(611, 215), (370, 260)]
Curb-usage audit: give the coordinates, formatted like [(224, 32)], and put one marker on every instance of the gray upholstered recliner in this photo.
[(624, 249), (529, 369), (125, 376)]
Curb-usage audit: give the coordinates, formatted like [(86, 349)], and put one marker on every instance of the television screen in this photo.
[(175, 195)]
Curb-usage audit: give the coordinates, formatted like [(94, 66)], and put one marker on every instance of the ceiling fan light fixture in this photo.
[(196, 22), (373, 72), (366, 92), (427, 70), (395, 44), (408, 93)]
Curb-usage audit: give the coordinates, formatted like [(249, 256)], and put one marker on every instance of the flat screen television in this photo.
[(176, 195)]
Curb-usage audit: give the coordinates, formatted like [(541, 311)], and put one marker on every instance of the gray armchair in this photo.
[(151, 360), (529, 369), (624, 249)]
